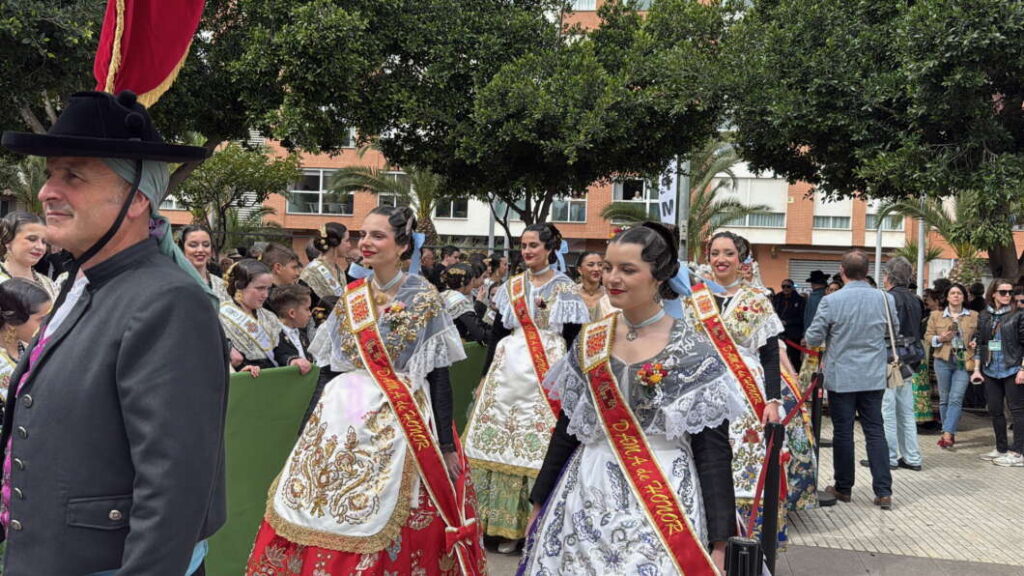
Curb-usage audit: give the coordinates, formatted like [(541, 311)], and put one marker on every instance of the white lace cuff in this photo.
[(439, 351)]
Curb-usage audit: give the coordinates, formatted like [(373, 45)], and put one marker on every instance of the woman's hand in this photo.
[(977, 377), (454, 466), (947, 336), (772, 412), (1020, 378), (236, 357), (303, 364), (252, 369), (533, 517), (718, 556)]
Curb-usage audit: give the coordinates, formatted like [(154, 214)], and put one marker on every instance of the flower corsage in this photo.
[(394, 313), (652, 374)]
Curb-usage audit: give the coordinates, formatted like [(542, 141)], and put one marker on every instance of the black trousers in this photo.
[(843, 408), (997, 390)]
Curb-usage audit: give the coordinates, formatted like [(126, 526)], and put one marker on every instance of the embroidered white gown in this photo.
[(592, 524)]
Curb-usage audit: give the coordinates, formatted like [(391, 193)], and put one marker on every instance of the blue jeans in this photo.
[(901, 425), (842, 408), (953, 384)]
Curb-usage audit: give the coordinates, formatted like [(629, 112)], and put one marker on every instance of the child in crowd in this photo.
[(283, 263), (292, 304)]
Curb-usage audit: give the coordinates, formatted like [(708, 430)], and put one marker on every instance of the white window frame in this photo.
[(899, 220), (649, 200), (170, 202), (584, 5), (324, 174), (451, 209), (832, 220), (745, 222), (570, 202)]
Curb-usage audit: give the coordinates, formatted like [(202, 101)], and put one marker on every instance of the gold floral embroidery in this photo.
[(343, 481), (340, 478), (400, 327)]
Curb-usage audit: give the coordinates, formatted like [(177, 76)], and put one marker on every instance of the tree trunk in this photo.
[(1002, 261), (32, 120), (184, 170)]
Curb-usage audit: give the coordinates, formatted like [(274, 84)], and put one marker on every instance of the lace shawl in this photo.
[(699, 391), (562, 304), (419, 334)]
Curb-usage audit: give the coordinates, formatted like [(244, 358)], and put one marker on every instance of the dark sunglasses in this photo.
[(1004, 292)]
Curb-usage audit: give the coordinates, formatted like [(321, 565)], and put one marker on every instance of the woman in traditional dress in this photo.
[(353, 497), (458, 280), (197, 246), (619, 505), (590, 267), (22, 246), (511, 422), (254, 331), (750, 319), (497, 268), (23, 305), (326, 274)]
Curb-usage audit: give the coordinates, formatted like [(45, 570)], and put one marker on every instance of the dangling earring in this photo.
[(238, 298)]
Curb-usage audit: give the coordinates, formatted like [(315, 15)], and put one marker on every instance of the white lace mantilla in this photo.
[(698, 393), (562, 304)]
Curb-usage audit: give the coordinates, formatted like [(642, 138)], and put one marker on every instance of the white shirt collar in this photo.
[(963, 312)]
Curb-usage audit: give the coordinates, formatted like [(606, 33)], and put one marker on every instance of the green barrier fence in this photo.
[(262, 425), (465, 376)]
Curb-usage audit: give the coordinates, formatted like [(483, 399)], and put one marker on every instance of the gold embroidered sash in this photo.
[(517, 294), (461, 533), (328, 277), (707, 314), (646, 479), (249, 328)]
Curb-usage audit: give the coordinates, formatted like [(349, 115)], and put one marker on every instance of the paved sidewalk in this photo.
[(957, 508), (959, 516)]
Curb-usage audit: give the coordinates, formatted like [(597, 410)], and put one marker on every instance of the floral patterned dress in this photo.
[(349, 500), (592, 524), (510, 425), (751, 321)]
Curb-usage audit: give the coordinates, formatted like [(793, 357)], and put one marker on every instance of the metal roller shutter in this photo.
[(800, 270)]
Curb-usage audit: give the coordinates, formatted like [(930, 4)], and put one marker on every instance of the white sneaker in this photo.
[(508, 547), (992, 455), (1011, 460)]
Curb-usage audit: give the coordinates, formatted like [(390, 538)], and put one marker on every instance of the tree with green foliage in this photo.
[(234, 178), (711, 175), (622, 99), (421, 189), (888, 100)]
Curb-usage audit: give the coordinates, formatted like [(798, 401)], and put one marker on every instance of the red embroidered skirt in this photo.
[(419, 550)]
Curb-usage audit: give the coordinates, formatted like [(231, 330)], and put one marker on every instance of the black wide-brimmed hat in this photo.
[(817, 277), (101, 125)]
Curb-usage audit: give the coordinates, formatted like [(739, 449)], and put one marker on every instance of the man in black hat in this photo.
[(818, 282), (113, 439), (789, 306)]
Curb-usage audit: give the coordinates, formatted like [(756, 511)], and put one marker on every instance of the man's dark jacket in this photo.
[(118, 433), (908, 308)]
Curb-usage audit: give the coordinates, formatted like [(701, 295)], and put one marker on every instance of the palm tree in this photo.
[(909, 251), (948, 222), (23, 180), (711, 174), (421, 189), (242, 227)]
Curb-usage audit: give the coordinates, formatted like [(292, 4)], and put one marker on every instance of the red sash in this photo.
[(707, 314), (461, 534), (517, 294), (646, 479)]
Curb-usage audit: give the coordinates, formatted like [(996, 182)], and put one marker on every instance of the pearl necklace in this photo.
[(631, 334)]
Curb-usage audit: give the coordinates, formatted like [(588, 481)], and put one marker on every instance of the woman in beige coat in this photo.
[(950, 333)]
